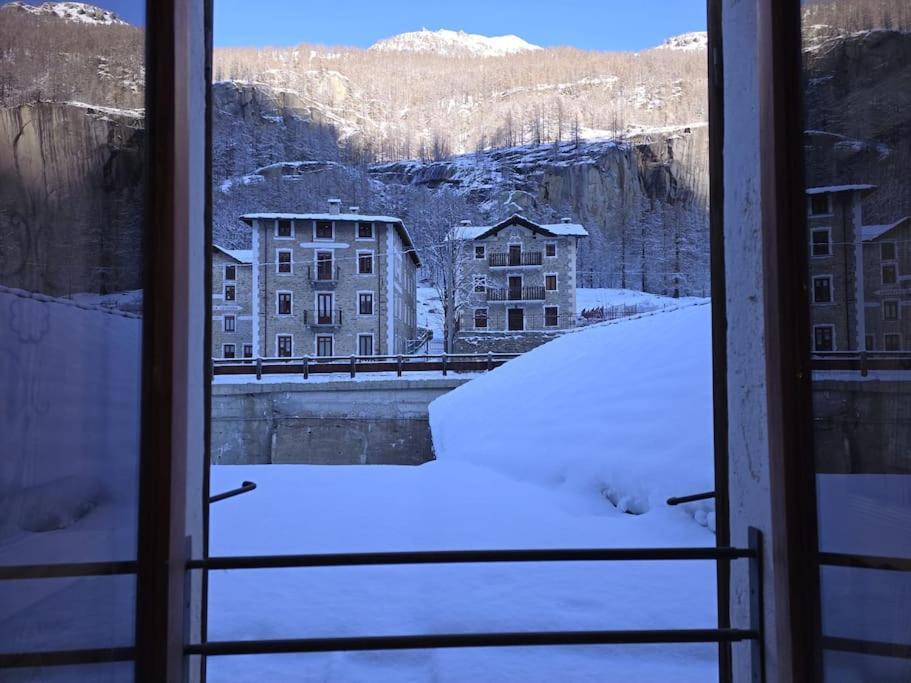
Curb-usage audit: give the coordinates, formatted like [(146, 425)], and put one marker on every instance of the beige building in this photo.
[(232, 312), (331, 284), (521, 276), (860, 275)]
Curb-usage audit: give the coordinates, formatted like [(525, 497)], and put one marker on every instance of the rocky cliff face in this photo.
[(71, 184)]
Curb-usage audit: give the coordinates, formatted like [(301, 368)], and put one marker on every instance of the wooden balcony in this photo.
[(516, 294), (515, 259)]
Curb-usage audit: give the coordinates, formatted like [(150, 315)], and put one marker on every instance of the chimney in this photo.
[(335, 206), (465, 223), (566, 220), (354, 209)]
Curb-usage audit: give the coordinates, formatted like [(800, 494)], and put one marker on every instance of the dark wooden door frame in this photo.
[(787, 354)]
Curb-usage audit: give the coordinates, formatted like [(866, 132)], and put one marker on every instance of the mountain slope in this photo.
[(452, 43), (79, 12)]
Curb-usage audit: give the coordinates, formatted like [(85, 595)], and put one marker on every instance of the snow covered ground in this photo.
[(587, 298), (430, 315), (554, 449)]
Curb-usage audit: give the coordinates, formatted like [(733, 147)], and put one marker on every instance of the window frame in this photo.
[(888, 243), (316, 341), (898, 310), (279, 337), (556, 309), (276, 232), (279, 293), (366, 335), (244, 348), (824, 326), (547, 245), (828, 242), (556, 277), (892, 335), (829, 205), (482, 250), (316, 224), (476, 315), (358, 301), (362, 253), (357, 231), (233, 289), (278, 262), (830, 280), (233, 267), (224, 351), (479, 283), (224, 323)]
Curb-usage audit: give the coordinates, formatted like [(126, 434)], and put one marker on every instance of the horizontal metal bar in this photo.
[(459, 640), (467, 557), (679, 500), (20, 660), (244, 488), (897, 564), (63, 571), (867, 647)]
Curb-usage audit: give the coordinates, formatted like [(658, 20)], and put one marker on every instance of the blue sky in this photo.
[(587, 24)]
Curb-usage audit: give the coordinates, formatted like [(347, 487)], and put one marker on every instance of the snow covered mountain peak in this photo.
[(452, 43), (71, 11), (695, 40)]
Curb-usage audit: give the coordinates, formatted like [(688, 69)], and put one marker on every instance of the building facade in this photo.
[(232, 309), (521, 276), (331, 284), (860, 275)]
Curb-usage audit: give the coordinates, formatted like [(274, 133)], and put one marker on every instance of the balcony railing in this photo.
[(516, 294), (524, 258), (331, 318), (323, 275)]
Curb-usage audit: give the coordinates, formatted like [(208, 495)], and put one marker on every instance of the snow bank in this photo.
[(619, 410), (595, 297)]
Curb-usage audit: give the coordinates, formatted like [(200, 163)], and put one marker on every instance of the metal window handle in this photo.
[(244, 488)]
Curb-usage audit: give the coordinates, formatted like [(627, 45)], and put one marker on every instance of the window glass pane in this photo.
[(854, 50), (115, 672)]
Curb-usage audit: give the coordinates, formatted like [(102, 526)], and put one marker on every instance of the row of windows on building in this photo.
[(322, 230), (550, 250), (324, 345), (821, 245), (550, 283), (551, 317), (824, 340)]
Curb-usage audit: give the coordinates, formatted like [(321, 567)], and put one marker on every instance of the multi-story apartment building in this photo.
[(521, 276), (232, 312), (331, 284), (860, 275)]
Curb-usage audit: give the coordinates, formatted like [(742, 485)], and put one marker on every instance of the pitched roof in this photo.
[(473, 232), (239, 255), (248, 218), (873, 232)]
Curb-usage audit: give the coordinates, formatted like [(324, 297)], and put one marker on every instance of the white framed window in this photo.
[(891, 309), (480, 252), (248, 350), (550, 249), (324, 231), (365, 344), (230, 324), (324, 345), (823, 338), (365, 303), (892, 342), (284, 345), (820, 204), (230, 293), (365, 231), (550, 282), (284, 229), (887, 251), (230, 272), (480, 318), (889, 273), (284, 303), (551, 316), (365, 263), (480, 283), (228, 351), (284, 261), (820, 242), (822, 289)]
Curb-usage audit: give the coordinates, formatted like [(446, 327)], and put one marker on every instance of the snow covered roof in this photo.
[(473, 232), (248, 218), (240, 255), (840, 188), (872, 232)]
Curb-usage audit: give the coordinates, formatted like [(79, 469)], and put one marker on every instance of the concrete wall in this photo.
[(382, 422), (501, 342)]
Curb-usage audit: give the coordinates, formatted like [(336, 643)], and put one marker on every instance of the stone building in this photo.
[(332, 284), (232, 312), (860, 275), (521, 283)]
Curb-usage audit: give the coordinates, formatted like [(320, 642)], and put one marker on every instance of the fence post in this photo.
[(444, 363), (489, 361), (399, 365), (306, 367), (259, 368), (353, 365)]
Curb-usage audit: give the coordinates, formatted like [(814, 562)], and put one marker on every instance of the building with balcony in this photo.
[(331, 284), (521, 283), (860, 275)]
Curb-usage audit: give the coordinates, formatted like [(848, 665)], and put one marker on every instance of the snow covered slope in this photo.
[(452, 43), (619, 410), (695, 40), (71, 11)]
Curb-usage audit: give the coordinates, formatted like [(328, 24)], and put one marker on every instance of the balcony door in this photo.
[(324, 309), (515, 254)]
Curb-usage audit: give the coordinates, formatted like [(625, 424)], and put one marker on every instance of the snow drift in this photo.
[(620, 410)]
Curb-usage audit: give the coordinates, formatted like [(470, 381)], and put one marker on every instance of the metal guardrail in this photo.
[(530, 293), (864, 361), (352, 365)]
